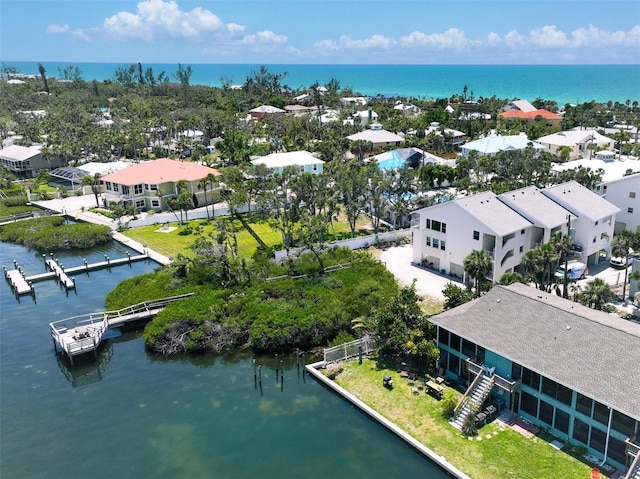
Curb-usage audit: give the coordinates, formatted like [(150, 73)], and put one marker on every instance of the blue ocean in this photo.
[(562, 83)]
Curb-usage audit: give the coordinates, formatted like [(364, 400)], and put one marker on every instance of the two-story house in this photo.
[(506, 226), (26, 161), (149, 185), (595, 218), (564, 367)]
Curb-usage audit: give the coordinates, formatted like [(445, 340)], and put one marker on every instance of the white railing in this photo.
[(349, 350)]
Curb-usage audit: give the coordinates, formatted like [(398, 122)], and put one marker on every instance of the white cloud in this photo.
[(156, 19), (326, 46), (54, 29), (235, 28), (266, 37), (373, 42), (548, 36), (451, 39), (80, 34)]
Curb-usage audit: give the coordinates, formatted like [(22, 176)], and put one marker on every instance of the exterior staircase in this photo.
[(473, 397)]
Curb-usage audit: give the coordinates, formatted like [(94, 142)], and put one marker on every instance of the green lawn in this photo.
[(173, 243), (497, 452)]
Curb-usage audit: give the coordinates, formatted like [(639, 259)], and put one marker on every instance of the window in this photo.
[(155, 203), (152, 187), (529, 404), (561, 422), (617, 450), (436, 225), (428, 224), (521, 249), (623, 423), (584, 405), (428, 241), (108, 185), (116, 187), (455, 342), (632, 194), (443, 336), (600, 413), (454, 364), (598, 439), (435, 243), (442, 246), (629, 210), (546, 413), (521, 232), (137, 189), (556, 391), (139, 203), (126, 190), (444, 228), (468, 348), (476, 235), (580, 431), (530, 378), (516, 371)]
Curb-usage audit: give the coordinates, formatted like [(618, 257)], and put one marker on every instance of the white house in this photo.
[(365, 116), (354, 100), (507, 226), (491, 145), (620, 185), (595, 218), (457, 137), (407, 109), (376, 135), (302, 159), (581, 143), (520, 105)]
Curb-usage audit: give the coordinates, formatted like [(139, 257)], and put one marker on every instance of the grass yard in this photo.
[(497, 452), (173, 242)]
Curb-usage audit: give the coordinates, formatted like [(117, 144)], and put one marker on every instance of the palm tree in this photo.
[(596, 294), (478, 265), (621, 247), (202, 184), (561, 243), (93, 181)]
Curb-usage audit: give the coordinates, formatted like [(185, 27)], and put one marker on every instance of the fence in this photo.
[(357, 243), (349, 350)]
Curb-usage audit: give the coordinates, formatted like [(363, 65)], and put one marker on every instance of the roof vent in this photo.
[(568, 328), (498, 300)]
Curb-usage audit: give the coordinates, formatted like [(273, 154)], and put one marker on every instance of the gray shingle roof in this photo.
[(491, 212), (535, 206), (581, 201), (594, 353)]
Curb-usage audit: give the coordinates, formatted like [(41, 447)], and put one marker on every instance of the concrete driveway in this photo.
[(428, 283)]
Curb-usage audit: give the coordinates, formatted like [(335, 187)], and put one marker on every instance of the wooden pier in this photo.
[(18, 282), (83, 334), (22, 284)]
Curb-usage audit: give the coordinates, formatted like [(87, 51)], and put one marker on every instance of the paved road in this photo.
[(428, 283)]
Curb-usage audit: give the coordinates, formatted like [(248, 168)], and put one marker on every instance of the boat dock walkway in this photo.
[(17, 281), (83, 334), (21, 284)]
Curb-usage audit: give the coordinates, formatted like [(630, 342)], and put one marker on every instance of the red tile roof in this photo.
[(546, 114), (159, 171)]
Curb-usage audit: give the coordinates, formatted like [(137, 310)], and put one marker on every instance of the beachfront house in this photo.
[(264, 110), (562, 366), (506, 226), (148, 185), (303, 160), (549, 118)]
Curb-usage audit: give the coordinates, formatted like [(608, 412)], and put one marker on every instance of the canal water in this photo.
[(131, 414)]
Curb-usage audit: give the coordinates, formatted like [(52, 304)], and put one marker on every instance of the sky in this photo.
[(322, 32)]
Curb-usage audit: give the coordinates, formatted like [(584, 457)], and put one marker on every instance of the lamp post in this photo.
[(566, 260)]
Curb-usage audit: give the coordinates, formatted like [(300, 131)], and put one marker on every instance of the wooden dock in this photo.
[(18, 282), (83, 334)]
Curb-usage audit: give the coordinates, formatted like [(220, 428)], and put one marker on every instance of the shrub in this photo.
[(341, 338), (448, 403), (469, 427)]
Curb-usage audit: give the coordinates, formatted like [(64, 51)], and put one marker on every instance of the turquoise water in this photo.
[(562, 83), (131, 414)]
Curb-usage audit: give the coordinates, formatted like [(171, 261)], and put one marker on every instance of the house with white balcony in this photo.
[(506, 226), (491, 145), (445, 234), (148, 185), (595, 218)]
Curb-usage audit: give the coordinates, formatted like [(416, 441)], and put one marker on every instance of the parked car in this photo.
[(575, 270), (619, 262), (575, 248)]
